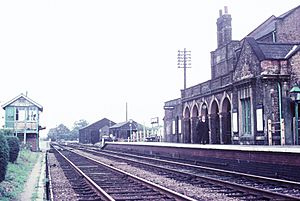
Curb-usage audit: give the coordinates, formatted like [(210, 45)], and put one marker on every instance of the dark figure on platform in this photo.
[(202, 130)]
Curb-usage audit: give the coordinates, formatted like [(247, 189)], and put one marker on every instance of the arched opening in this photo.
[(187, 126), (204, 113), (194, 121), (215, 123), (226, 122)]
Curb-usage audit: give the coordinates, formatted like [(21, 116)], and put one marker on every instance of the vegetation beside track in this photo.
[(17, 174)]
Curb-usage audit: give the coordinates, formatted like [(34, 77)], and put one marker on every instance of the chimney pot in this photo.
[(220, 12), (225, 9)]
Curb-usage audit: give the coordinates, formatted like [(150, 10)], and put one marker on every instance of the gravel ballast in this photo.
[(189, 190), (62, 189)]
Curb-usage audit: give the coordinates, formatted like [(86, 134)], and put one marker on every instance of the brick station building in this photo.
[(248, 94)]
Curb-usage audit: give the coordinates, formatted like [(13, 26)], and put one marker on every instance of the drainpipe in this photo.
[(274, 36), (280, 112)]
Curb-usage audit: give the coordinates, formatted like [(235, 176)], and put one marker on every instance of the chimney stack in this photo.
[(225, 9), (224, 31)]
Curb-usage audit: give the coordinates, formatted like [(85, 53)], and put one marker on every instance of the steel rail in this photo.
[(241, 187), (263, 178), (162, 189), (102, 193), (49, 189)]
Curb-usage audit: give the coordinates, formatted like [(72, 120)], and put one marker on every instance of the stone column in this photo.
[(222, 127)]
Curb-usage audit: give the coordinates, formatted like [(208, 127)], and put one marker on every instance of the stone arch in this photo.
[(187, 125), (214, 122), (195, 110), (225, 118), (204, 113), (204, 109), (186, 111), (194, 121), (214, 99)]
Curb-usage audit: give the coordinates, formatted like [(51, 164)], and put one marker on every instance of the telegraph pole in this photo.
[(184, 61)]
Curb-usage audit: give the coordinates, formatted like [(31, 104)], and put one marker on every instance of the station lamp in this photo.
[(295, 96)]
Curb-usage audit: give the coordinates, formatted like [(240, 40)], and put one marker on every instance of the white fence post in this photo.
[(270, 131), (282, 132)]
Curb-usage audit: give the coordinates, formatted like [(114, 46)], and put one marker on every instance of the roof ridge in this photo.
[(287, 13), (24, 96), (277, 43), (271, 18), (255, 47)]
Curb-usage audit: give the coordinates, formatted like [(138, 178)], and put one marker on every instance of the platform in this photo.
[(266, 148), (275, 161)]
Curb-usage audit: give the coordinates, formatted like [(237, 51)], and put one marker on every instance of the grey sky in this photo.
[(86, 59)]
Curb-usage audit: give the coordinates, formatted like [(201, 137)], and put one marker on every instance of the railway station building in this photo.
[(127, 130), (247, 100), (22, 117), (94, 132)]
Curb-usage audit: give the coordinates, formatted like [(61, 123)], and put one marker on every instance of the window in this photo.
[(20, 114), (32, 114), (174, 127), (17, 114), (246, 115)]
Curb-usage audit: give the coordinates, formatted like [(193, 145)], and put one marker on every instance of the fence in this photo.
[(276, 132)]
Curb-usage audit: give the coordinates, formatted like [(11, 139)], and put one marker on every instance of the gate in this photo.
[(276, 132)]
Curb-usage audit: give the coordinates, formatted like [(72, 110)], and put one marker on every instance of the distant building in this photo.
[(248, 94), (127, 130), (92, 133), (22, 117)]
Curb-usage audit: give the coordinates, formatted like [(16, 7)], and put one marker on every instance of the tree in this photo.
[(52, 134), (61, 132), (6, 132), (76, 126), (4, 157), (14, 148)]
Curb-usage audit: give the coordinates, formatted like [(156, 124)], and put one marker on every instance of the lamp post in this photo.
[(130, 126), (295, 96)]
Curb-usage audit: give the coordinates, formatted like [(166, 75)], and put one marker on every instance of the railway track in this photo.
[(238, 185), (93, 180)]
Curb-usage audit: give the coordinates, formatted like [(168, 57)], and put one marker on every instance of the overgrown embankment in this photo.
[(17, 174)]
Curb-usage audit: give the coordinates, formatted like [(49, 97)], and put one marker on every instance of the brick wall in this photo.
[(222, 59), (295, 67), (288, 29), (32, 141)]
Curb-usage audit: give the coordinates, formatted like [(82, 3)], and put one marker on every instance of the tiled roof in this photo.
[(118, 125), (275, 50), (264, 29), (269, 25), (101, 123), (135, 125), (265, 51)]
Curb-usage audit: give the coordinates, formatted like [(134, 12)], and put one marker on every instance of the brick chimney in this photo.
[(224, 30)]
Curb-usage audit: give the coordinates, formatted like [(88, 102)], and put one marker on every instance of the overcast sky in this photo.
[(86, 59)]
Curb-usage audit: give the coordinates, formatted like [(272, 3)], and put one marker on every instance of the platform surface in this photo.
[(265, 148)]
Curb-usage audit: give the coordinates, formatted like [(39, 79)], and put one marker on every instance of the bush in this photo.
[(14, 148), (4, 157)]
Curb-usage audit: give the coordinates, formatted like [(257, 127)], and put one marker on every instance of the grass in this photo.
[(17, 174)]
